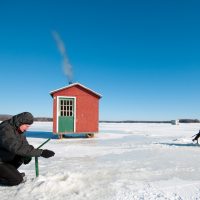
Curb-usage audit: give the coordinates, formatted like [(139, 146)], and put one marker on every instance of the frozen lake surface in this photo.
[(123, 162)]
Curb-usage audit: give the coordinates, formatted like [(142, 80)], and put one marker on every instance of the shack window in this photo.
[(66, 107)]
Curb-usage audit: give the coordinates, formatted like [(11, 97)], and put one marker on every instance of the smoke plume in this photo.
[(61, 47)]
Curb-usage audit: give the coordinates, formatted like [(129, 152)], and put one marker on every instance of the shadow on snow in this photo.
[(181, 145), (40, 134), (46, 135)]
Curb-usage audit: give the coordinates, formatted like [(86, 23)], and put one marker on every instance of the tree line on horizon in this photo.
[(40, 119), (50, 119)]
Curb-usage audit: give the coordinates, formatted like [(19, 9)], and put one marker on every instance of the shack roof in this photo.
[(72, 85)]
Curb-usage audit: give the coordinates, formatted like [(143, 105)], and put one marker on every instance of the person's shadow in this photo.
[(180, 145), (46, 135), (40, 134)]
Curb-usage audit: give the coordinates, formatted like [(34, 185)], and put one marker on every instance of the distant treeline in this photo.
[(132, 121), (189, 121), (39, 119), (43, 119), (49, 119), (140, 121)]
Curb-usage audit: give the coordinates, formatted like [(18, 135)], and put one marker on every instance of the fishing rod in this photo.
[(36, 159)]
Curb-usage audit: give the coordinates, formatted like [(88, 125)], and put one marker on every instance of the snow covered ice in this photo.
[(123, 162)]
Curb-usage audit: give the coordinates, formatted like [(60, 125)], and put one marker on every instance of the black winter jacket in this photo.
[(12, 142)]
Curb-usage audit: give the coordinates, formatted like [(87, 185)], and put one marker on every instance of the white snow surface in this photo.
[(124, 161)]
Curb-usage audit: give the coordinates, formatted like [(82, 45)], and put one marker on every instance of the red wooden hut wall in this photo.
[(87, 108)]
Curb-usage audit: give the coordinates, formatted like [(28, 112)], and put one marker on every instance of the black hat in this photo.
[(22, 118)]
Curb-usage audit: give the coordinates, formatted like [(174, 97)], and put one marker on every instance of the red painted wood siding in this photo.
[(87, 109)]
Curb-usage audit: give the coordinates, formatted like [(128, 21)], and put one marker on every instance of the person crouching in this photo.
[(15, 149)]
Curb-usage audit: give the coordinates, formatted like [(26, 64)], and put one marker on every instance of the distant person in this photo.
[(15, 149), (196, 137)]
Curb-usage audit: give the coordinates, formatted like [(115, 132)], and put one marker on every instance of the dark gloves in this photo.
[(27, 160), (47, 153)]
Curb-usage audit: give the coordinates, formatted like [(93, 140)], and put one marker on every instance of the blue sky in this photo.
[(142, 56)]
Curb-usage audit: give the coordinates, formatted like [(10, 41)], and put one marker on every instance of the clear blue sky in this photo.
[(143, 56)]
